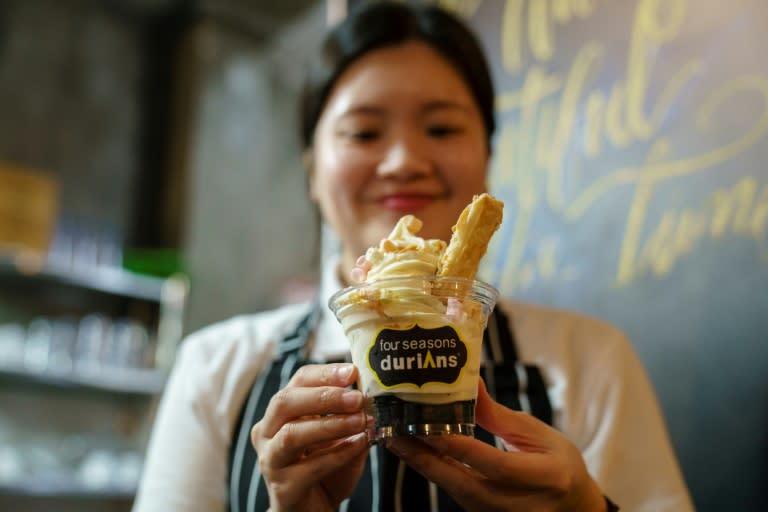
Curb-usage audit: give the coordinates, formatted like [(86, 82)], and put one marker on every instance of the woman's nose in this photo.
[(404, 160)]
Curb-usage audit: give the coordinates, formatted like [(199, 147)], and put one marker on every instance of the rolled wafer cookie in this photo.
[(471, 234)]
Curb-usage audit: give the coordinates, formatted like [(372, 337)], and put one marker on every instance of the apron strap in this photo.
[(247, 490)]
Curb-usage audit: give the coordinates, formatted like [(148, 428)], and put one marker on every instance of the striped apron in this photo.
[(386, 480)]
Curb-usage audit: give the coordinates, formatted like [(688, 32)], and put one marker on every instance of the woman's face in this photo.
[(400, 133)]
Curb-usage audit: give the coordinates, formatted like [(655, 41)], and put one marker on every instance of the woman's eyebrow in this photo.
[(366, 110), (445, 105)]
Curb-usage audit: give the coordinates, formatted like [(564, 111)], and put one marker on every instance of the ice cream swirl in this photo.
[(403, 253)]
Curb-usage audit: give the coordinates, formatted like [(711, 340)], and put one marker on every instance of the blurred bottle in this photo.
[(62, 346), (12, 345), (38, 344), (92, 333)]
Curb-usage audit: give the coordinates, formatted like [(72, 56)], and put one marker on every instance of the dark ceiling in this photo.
[(260, 18)]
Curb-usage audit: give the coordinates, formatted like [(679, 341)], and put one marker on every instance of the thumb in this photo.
[(489, 414), (516, 428)]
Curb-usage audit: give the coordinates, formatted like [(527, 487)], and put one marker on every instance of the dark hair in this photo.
[(379, 24)]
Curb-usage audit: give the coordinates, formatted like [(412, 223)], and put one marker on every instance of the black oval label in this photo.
[(417, 356)]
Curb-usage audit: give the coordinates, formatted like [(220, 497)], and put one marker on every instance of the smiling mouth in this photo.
[(405, 202)]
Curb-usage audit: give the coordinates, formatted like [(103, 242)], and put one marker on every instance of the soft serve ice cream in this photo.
[(415, 323), (402, 254)]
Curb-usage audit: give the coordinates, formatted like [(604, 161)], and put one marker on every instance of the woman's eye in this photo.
[(365, 135), (443, 130), (359, 135)]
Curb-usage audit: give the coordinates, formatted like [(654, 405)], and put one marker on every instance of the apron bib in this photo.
[(387, 484)]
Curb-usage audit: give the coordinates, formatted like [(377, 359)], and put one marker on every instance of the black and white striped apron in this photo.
[(386, 479)]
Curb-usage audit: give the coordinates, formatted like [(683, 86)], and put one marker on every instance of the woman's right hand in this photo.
[(311, 442)]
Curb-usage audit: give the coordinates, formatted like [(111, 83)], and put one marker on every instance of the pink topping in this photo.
[(360, 272), (454, 308)]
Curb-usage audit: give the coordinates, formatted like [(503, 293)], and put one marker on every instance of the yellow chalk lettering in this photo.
[(690, 229), (512, 36), (593, 125), (760, 216), (583, 8), (721, 214), (733, 208), (649, 32), (544, 134), (561, 11), (572, 92), (745, 191), (546, 259), (628, 264), (540, 33), (615, 127)]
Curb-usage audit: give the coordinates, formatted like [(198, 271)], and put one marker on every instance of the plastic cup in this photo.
[(417, 344)]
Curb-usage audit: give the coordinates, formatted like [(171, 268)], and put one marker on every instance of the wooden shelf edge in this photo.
[(116, 380), (105, 279)]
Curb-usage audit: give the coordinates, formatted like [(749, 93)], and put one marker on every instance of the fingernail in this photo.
[(354, 421), (352, 398), (344, 371), (357, 275)]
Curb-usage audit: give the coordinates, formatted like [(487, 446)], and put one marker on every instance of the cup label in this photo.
[(417, 356)]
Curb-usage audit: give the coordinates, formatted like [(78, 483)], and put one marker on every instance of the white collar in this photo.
[(330, 342)]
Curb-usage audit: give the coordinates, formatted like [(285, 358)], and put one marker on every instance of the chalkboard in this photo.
[(632, 156)]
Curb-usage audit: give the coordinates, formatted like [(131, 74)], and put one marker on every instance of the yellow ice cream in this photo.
[(403, 253)]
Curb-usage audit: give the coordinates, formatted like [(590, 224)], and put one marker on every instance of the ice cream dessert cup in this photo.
[(417, 344)]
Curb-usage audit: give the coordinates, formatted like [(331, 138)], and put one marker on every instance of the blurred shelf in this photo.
[(64, 486), (131, 381), (112, 280)]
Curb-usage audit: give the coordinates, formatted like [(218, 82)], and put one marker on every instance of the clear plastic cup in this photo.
[(417, 344)]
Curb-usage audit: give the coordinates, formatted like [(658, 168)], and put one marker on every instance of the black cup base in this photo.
[(395, 417)]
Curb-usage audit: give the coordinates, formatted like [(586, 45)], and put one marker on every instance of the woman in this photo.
[(398, 119)]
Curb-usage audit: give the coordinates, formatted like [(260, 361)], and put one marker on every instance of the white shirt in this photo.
[(601, 397)]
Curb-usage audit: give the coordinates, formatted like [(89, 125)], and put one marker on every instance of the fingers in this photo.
[(525, 467), (312, 375), (520, 468), (295, 438), (288, 484), (316, 391), (290, 404), (359, 273), (522, 430), (312, 430)]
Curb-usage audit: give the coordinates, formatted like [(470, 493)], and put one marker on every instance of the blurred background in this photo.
[(151, 183)]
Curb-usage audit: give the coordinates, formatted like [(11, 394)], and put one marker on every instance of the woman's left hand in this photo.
[(540, 470)]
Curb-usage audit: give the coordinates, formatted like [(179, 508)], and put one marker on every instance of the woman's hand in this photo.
[(311, 442), (540, 470)]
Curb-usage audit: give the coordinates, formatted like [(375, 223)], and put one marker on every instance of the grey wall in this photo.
[(249, 222)]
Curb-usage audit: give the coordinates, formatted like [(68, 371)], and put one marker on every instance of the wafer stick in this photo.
[(471, 234)]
